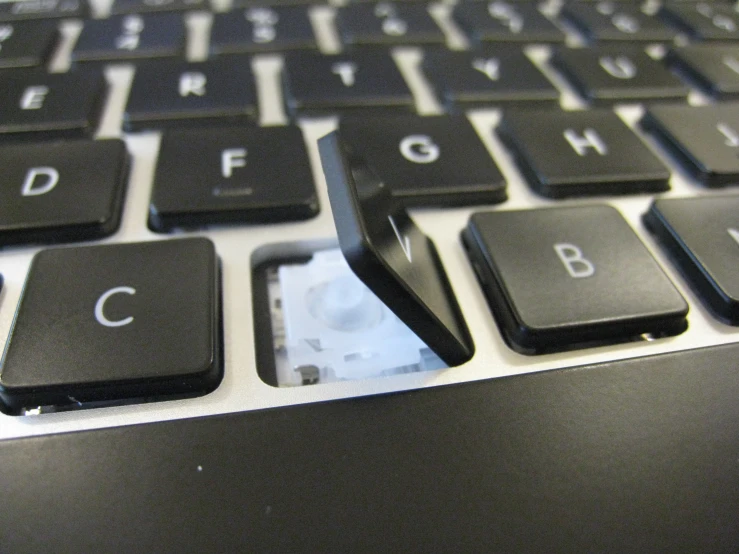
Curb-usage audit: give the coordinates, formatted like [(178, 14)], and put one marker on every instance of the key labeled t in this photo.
[(232, 158), (35, 185), (346, 72)]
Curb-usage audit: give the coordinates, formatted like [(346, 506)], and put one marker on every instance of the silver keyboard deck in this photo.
[(240, 247)]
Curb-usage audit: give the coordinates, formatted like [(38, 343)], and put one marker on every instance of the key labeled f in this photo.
[(576, 264), (232, 158)]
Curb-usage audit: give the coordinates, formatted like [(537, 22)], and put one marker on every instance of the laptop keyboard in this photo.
[(163, 195)]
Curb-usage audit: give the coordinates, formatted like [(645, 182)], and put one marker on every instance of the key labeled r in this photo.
[(39, 180), (576, 264), (419, 149), (192, 82), (100, 307)]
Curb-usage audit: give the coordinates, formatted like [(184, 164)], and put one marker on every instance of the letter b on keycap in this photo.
[(576, 264)]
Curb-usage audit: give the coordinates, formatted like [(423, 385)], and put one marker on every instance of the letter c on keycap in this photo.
[(100, 316), (419, 149)]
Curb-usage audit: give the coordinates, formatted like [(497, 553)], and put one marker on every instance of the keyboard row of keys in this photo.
[(262, 29), (556, 279), (255, 174), (173, 94)]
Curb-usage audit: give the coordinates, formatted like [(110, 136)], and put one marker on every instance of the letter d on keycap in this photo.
[(52, 178), (575, 263)]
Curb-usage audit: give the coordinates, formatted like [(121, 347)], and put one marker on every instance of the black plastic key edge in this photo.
[(652, 124), (709, 291), (577, 187), (531, 341), (451, 339), (79, 232), (16, 400)]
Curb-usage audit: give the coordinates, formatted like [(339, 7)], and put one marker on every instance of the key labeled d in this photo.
[(39, 180)]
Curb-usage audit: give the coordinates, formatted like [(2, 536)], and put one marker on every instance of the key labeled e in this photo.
[(419, 149), (576, 264), (39, 180), (100, 307)]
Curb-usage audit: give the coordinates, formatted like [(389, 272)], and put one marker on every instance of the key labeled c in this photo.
[(100, 305)]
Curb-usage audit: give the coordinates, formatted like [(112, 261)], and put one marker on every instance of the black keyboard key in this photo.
[(391, 254), (61, 191), (42, 9), (40, 105), (27, 44), (130, 321), (702, 235), (261, 29), (713, 69), (487, 78), (387, 23), (704, 139), (232, 175), (606, 75), (565, 277), (500, 21), (175, 94), (427, 161), (703, 20), (318, 84), (580, 153), (131, 37), (144, 6), (610, 21)]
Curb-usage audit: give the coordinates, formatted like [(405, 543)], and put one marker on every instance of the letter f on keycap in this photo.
[(575, 263)]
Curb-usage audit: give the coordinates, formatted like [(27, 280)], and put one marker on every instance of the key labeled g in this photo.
[(419, 149), (100, 306)]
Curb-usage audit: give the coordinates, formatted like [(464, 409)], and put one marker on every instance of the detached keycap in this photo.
[(319, 84), (704, 139), (168, 93), (131, 37), (113, 323), (487, 77), (427, 161), (714, 69), (261, 29), (569, 277), (580, 153), (40, 105), (232, 175), (702, 235), (500, 21), (61, 191), (27, 44), (617, 74), (391, 254), (387, 23)]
